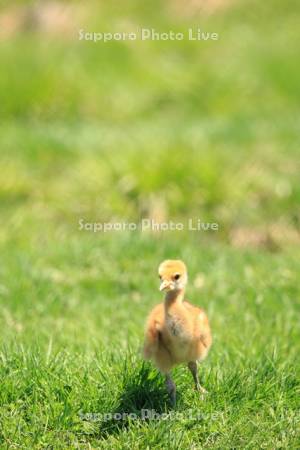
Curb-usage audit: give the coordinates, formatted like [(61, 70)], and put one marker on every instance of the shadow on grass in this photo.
[(143, 396)]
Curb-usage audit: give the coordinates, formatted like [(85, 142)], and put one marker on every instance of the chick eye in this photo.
[(177, 276), (159, 276)]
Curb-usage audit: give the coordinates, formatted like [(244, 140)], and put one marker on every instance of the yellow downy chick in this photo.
[(176, 331)]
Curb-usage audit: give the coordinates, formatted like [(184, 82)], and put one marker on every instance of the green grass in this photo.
[(72, 337), (121, 132)]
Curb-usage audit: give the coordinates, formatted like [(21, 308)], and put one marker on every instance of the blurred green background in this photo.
[(138, 129), (162, 130)]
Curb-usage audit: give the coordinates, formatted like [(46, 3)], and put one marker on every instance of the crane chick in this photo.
[(176, 331)]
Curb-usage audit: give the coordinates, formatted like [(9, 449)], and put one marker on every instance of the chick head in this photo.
[(173, 275)]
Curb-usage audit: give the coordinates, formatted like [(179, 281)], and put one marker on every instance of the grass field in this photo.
[(162, 130)]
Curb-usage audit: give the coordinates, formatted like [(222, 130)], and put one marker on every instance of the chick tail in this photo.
[(151, 340)]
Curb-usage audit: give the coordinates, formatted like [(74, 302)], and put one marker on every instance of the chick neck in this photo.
[(174, 297)]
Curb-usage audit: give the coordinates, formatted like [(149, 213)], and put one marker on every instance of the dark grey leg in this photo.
[(171, 388), (192, 365)]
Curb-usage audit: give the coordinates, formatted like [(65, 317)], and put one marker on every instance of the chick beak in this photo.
[(164, 285)]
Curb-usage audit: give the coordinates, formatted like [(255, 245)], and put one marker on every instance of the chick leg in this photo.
[(192, 365), (171, 389)]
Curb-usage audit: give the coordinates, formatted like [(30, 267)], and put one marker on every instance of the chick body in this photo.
[(176, 331)]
